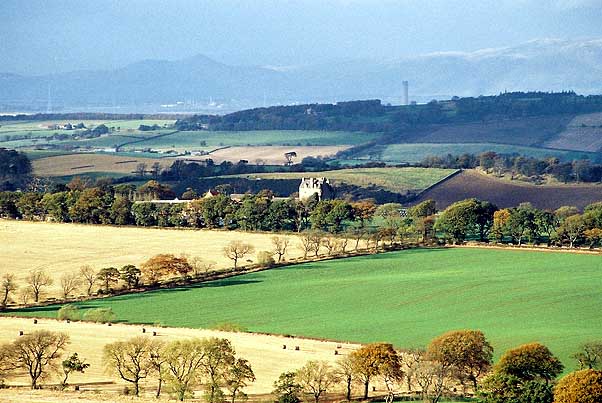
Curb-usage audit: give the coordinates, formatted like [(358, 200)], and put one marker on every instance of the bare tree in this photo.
[(24, 295), (316, 377), (155, 169), (289, 157), (130, 359), (7, 287), (37, 353), (88, 275), (345, 371), (69, 283), (236, 250), (183, 361), (37, 280), (200, 266), (332, 245), (140, 169), (280, 246)]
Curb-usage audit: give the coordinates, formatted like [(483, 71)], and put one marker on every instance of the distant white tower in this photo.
[(405, 100)]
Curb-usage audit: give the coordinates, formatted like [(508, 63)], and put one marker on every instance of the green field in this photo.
[(406, 298), (416, 152), (391, 179), (193, 140)]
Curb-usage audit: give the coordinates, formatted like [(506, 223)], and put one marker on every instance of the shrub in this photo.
[(230, 327), (68, 312), (100, 315), (580, 387), (265, 259)]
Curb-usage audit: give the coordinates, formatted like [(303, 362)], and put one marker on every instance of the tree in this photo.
[(280, 246), (37, 353), (73, 364), (530, 362), (237, 377), (315, 378), (69, 283), (467, 353), (572, 229), (219, 356), (129, 359), (68, 312), (157, 361), (236, 250), (183, 361), (131, 275), (163, 265), (88, 275), (593, 236), (583, 386), (108, 276), (431, 377), (121, 210), (345, 371), (286, 388), (37, 280), (459, 220), (6, 361), (8, 286), (590, 355), (371, 360), (265, 259), (99, 315)]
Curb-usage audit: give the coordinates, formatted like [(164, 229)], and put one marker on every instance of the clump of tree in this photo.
[(163, 266), (583, 386)]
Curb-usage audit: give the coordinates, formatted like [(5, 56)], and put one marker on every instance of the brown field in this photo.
[(271, 154), (64, 248), (583, 133), (265, 352), (471, 183), (520, 131), (74, 164)]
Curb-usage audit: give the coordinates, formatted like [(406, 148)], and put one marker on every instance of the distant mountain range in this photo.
[(546, 65)]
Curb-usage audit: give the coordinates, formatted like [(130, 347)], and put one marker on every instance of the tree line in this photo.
[(525, 168), (457, 363)]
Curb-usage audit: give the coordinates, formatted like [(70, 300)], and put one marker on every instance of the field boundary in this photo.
[(451, 175)]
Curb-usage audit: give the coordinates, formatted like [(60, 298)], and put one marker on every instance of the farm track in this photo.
[(127, 143)]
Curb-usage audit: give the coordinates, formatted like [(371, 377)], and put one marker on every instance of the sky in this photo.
[(48, 36)]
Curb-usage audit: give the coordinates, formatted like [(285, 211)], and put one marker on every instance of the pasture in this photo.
[(64, 248), (391, 179), (405, 297)]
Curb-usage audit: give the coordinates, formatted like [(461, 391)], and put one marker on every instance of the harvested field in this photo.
[(265, 352), (583, 133), (64, 248), (471, 183), (74, 164), (399, 180)]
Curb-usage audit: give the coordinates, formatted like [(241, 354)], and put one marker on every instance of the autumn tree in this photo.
[(345, 371), (108, 276), (315, 378), (129, 359), (37, 353), (8, 285), (280, 245), (236, 250), (88, 276), (219, 356), (371, 361), (71, 365), (583, 386), (163, 265), (237, 376), (467, 353), (37, 281), (69, 283)]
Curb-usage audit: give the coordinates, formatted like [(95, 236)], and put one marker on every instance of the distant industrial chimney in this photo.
[(405, 99)]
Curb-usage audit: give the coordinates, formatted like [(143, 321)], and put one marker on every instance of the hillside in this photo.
[(470, 183), (405, 298)]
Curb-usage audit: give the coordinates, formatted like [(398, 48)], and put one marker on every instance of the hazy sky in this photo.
[(40, 36)]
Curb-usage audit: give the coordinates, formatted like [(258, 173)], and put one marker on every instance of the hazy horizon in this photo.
[(49, 37)]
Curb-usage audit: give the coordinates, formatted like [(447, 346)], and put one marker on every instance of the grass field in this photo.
[(63, 248), (416, 152), (392, 179), (85, 163), (406, 298)]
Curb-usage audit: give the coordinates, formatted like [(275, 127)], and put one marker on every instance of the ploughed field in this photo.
[(405, 297)]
